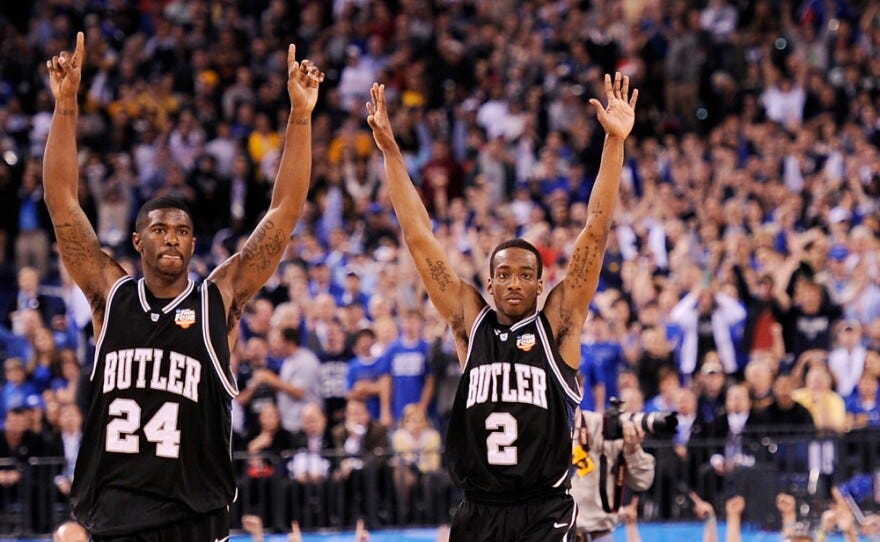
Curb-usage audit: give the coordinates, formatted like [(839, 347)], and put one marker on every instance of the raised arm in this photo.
[(91, 269), (567, 304), (457, 301), (245, 272)]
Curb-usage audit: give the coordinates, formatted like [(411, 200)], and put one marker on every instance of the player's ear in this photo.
[(489, 285), (540, 286), (136, 241)]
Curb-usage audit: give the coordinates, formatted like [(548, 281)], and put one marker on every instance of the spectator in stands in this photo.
[(862, 408), (252, 379), (711, 386), (656, 357), (706, 317), (847, 360), (67, 443), (406, 360), (334, 354), (368, 380), (807, 323), (29, 296), (298, 381), (416, 446), (760, 375), (604, 357), (17, 388), (819, 398)]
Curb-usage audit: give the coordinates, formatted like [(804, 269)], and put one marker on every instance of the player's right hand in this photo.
[(65, 70)]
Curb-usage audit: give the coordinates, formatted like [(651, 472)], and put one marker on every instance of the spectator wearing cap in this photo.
[(838, 279), (847, 360), (711, 386)]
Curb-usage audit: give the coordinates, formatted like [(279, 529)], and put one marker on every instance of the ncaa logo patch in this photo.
[(525, 342), (185, 317)]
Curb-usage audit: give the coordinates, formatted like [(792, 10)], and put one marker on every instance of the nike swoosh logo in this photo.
[(559, 525), (224, 539)]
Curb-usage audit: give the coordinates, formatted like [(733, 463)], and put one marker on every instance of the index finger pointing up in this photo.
[(291, 54), (80, 50)]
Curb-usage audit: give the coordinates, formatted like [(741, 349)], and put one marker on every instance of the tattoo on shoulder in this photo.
[(263, 247), (439, 274)]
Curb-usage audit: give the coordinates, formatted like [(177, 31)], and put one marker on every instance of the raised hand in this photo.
[(702, 509), (378, 119), (303, 80), (65, 70), (619, 115), (735, 506)]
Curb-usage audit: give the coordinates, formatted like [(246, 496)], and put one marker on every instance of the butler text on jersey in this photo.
[(175, 373), (508, 383)]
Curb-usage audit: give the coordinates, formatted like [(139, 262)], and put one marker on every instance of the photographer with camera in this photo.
[(608, 454)]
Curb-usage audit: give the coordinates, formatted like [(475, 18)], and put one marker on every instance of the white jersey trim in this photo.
[(477, 321), (142, 296), (572, 393), (110, 296), (230, 387)]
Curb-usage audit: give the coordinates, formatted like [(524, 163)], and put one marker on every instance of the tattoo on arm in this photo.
[(577, 268), (301, 122), (439, 274), (73, 240), (263, 248), (67, 111)]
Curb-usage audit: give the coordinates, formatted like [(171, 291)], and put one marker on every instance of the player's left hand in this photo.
[(303, 80), (619, 115)]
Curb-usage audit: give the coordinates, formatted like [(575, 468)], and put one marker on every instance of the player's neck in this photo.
[(164, 287)]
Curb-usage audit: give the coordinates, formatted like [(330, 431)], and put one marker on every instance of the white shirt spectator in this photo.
[(847, 366)]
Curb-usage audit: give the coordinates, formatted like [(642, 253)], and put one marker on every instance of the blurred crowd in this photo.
[(742, 278)]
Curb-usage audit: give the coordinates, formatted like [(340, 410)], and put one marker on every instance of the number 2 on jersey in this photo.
[(161, 429), (498, 444)]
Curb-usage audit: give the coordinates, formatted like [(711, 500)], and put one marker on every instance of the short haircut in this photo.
[(291, 335), (516, 243), (161, 202)]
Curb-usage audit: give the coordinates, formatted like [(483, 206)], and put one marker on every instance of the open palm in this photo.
[(303, 80), (619, 115), (65, 70), (378, 118)]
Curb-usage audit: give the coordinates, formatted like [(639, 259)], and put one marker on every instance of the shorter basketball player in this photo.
[(509, 438)]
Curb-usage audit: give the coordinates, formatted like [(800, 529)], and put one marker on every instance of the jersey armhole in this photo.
[(228, 383), (573, 393), (477, 321), (107, 307)]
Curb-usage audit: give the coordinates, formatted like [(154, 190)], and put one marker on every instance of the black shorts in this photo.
[(544, 519), (211, 527)]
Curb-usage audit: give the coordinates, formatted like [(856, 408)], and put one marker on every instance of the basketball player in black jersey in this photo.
[(509, 439), (155, 460)]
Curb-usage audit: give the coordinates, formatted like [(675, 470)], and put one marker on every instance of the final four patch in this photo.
[(185, 317), (525, 342)]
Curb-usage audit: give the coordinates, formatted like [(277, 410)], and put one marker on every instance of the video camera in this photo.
[(656, 423)]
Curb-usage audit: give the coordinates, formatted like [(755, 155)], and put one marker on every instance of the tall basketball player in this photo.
[(509, 439), (155, 459)]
